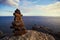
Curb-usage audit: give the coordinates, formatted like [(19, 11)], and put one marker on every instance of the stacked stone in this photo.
[(17, 24)]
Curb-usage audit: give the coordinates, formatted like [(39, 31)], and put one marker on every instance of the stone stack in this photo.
[(17, 24)]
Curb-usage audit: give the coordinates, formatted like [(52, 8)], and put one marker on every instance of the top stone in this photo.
[(17, 11)]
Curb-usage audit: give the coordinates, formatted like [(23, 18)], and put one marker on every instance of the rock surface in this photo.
[(42, 29), (31, 35), (1, 33)]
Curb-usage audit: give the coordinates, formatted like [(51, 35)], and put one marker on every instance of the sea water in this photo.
[(52, 23)]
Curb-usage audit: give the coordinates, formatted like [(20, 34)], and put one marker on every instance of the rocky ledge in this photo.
[(30, 35)]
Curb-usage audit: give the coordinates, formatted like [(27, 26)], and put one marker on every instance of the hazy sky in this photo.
[(30, 7)]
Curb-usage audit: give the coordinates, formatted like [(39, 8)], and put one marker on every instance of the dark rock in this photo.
[(1, 33), (57, 34), (42, 29)]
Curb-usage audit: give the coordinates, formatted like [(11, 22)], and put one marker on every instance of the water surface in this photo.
[(50, 22)]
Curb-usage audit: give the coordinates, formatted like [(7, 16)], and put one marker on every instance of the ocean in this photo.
[(52, 23)]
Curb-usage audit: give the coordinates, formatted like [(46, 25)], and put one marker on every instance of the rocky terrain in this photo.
[(30, 35), (42, 29), (46, 31), (38, 32)]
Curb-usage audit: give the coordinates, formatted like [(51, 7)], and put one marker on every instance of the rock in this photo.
[(57, 34), (1, 33), (17, 24), (42, 29), (32, 35)]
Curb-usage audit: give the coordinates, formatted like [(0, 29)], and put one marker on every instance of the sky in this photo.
[(30, 7)]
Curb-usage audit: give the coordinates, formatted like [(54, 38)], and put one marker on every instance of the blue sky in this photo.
[(30, 7)]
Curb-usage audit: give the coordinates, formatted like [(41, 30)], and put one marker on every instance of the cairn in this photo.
[(17, 24)]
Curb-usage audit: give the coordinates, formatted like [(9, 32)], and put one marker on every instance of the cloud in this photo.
[(29, 8), (10, 2), (41, 10), (52, 8), (58, 0)]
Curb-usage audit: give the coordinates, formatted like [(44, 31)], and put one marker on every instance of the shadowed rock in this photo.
[(42, 29)]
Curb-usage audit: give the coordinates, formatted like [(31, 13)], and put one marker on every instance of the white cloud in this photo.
[(13, 2), (28, 8), (52, 9), (42, 10)]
